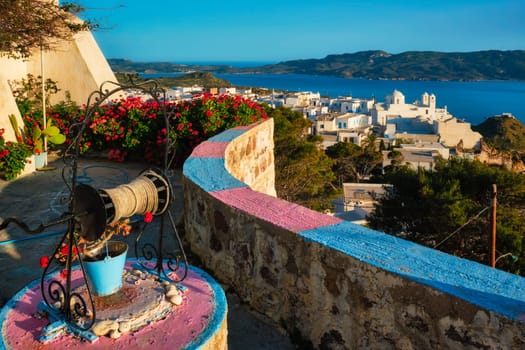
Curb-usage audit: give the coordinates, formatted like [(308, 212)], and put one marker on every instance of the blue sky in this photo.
[(280, 30)]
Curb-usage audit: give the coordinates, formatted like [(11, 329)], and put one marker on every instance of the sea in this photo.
[(472, 101)]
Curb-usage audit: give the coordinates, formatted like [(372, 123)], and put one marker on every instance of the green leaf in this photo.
[(51, 131), (57, 139)]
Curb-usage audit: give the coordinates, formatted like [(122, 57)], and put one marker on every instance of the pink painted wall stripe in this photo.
[(284, 214), (210, 150)]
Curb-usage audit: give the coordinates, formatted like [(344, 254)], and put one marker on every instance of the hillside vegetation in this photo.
[(203, 79), (120, 65), (411, 65), (505, 133)]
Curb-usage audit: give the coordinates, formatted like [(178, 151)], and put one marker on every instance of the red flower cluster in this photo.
[(117, 155), (133, 126), (13, 157), (60, 255)]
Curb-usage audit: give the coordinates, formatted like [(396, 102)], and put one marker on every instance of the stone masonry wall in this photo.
[(332, 284), (250, 159)]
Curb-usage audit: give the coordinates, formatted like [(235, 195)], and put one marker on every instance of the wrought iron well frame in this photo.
[(62, 301)]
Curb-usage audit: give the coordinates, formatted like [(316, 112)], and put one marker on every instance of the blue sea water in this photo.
[(471, 101), (236, 64)]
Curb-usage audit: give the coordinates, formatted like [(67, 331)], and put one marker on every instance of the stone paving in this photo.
[(40, 198)]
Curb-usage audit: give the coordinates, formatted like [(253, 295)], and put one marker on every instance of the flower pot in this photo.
[(104, 269), (40, 160)]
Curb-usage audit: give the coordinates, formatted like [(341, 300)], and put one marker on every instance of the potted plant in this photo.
[(35, 136), (31, 95), (38, 137)]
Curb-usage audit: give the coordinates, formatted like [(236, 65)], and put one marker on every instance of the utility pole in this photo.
[(493, 227)]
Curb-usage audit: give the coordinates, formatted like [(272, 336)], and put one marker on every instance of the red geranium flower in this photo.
[(44, 261), (148, 217)]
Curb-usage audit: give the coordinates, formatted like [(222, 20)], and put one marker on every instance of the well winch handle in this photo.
[(40, 228)]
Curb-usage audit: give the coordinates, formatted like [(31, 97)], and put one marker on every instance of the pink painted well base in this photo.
[(180, 329)]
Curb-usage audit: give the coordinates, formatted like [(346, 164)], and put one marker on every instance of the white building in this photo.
[(425, 147), (422, 159), (353, 121), (227, 91), (453, 132), (422, 121), (395, 107), (325, 123), (302, 100), (400, 127), (183, 92), (313, 112), (351, 105), (358, 201), (347, 127)]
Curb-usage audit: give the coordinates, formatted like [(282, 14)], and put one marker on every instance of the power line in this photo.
[(462, 226)]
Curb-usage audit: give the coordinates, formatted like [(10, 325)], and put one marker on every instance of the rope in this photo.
[(138, 197)]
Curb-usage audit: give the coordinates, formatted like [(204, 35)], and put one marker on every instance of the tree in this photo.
[(29, 24), (448, 209), (354, 163), (303, 172)]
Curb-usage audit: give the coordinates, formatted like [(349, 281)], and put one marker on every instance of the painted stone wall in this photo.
[(332, 284), (250, 159)]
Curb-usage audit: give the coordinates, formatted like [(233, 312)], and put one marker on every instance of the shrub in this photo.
[(13, 158), (133, 127)]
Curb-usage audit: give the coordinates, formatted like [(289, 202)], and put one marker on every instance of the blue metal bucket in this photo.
[(104, 270)]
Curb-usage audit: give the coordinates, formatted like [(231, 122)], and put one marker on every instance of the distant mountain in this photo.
[(412, 65)]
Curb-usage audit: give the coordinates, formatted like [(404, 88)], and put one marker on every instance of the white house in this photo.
[(351, 105), (302, 99), (358, 201), (425, 147), (416, 159), (347, 127), (227, 91), (453, 132), (353, 121)]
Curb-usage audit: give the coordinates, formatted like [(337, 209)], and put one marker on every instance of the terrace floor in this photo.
[(39, 198)]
